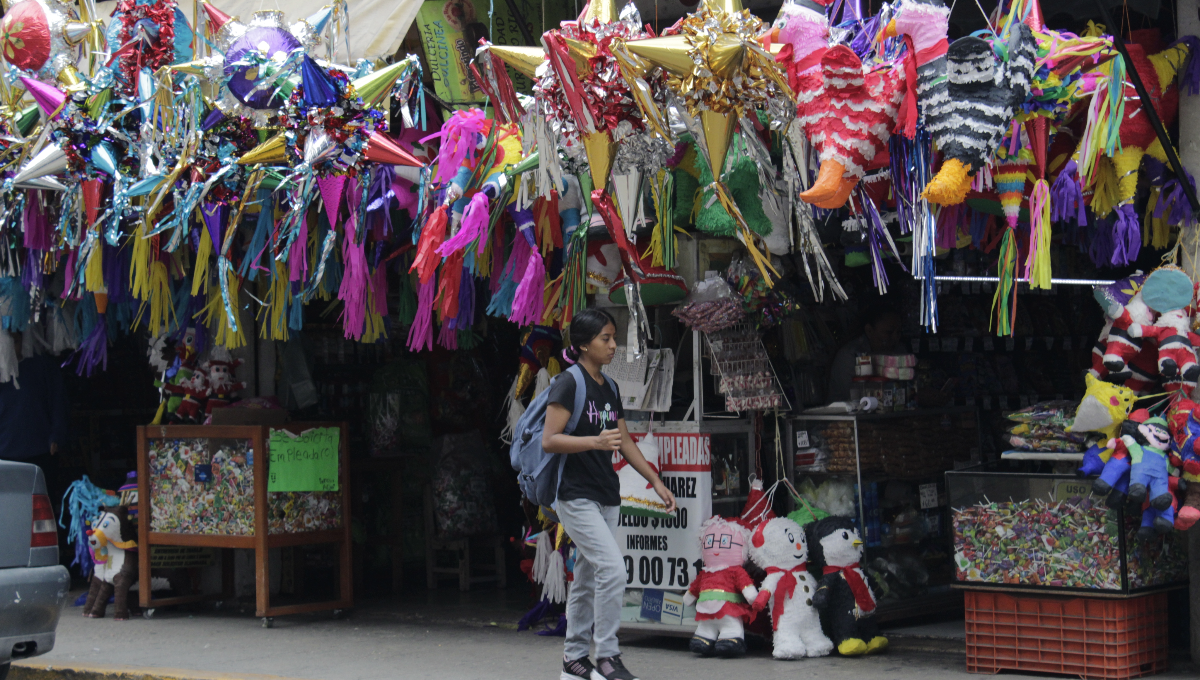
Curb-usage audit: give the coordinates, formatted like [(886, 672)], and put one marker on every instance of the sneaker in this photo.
[(579, 669), (611, 668)]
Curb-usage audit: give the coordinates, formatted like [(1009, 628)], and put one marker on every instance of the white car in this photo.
[(33, 585)]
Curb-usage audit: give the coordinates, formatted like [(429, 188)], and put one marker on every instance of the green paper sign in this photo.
[(304, 462)]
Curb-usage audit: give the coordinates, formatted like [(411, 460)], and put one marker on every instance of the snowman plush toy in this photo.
[(779, 547), (844, 596), (724, 594)]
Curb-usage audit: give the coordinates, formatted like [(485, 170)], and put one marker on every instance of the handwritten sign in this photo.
[(304, 462)]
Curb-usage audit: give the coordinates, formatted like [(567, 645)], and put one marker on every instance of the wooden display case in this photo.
[(233, 509)]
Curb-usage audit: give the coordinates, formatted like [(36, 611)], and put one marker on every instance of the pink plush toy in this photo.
[(723, 592)]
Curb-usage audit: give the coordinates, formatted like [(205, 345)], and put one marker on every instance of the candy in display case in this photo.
[(1048, 531)]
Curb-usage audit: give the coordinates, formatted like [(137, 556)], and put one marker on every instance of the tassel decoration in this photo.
[(529, 303), (420, 335), (1037, 263), (432, 236)]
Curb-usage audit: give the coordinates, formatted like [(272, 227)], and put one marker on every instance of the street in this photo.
[(416, 642)]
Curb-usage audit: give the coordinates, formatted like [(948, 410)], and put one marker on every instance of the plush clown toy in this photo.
[(779, 547), (724, 594)]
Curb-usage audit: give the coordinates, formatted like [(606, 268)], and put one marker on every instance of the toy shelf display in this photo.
[(254, 487), (884, 470), (1047, 532)]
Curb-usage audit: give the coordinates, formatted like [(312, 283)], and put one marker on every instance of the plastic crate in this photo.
[(1083, 636)]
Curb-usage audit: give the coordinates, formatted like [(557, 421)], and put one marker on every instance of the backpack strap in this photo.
[(580, 398)]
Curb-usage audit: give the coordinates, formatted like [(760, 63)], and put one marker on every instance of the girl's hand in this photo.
[(609, 440), (665, 494)]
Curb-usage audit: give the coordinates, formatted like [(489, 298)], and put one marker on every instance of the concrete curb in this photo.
[(34, 670)]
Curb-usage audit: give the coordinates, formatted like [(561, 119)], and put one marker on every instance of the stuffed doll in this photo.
[(192, 387), (1113, 482), (221, 386), (1185, 443), (779, 547), (1169, 293), (1172, 332), (1103, 408), (844, 596), (111, 535), (848, 116), (724, 594), (1157, 522), (1122, 347), (1098, 370), (1149, 471)]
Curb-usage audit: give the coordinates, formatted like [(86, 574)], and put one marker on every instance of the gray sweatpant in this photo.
[(594, 602)]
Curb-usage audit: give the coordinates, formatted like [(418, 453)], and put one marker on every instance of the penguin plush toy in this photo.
[(844, 596)]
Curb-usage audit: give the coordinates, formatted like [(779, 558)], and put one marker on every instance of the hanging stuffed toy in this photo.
[(1122, 302), (1103, 408), (222, 390), (1148, 474), (1170, 293), (724, 594), (844, 596), (1186, 444), (984, 95), (847, 115), (1113, 482), (111, 537), (779, 547)]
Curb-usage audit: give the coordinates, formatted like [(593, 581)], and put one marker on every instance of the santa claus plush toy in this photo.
[(779, 547), (221, 386), (724, 594)]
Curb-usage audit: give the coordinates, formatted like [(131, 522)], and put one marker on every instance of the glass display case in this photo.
[(1046, 531), (885, 471)]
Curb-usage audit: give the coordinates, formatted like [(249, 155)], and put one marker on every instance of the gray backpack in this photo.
[(539, 473)]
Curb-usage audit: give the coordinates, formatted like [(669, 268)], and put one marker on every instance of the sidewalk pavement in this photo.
[(439, 634)]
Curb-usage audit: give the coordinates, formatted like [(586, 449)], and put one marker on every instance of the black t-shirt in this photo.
[(589, 474)]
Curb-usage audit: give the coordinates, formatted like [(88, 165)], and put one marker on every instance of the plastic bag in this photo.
[(1058, 413), (710, 306)]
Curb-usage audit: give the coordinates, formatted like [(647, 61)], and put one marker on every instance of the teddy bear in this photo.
[(779, 547), (844, 596), (111, 536), (724, 594)]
